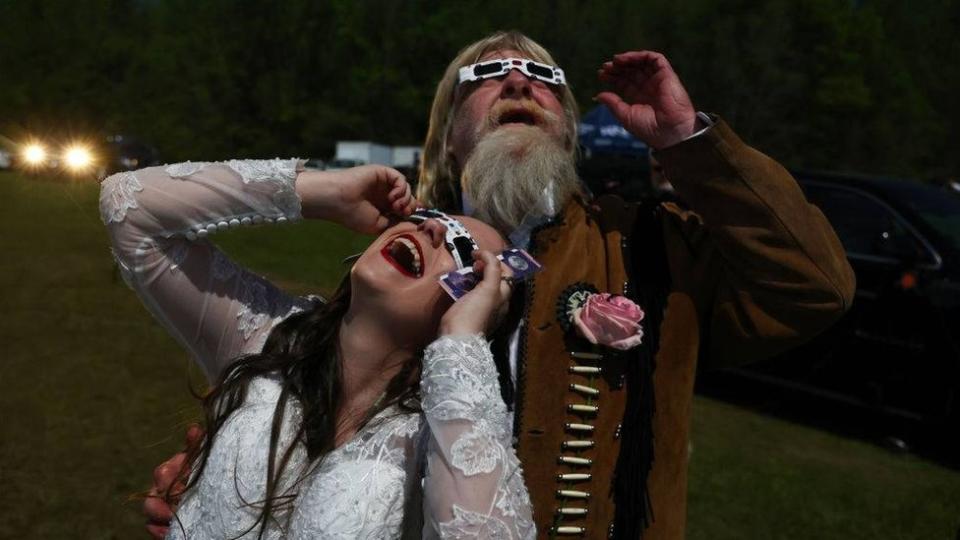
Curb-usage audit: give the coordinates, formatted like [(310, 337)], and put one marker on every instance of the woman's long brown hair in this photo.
[(303, 351)]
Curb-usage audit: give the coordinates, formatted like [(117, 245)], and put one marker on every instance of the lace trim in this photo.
[(460, 382), (183, 170), (288, 201), (256, 305), (264, 170), (261, 302), (467, 524), (475, 452), (117, 196), (283, 172), (513, 501), (222, 267)]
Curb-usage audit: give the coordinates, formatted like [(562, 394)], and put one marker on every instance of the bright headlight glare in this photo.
[(77, 157), (34, 154)]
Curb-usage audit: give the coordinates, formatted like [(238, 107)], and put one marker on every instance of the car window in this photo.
[(866, 226), (938, 208)]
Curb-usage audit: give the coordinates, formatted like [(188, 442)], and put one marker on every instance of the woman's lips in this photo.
[(404, 254)]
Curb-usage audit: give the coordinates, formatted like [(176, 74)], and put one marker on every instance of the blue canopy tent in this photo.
[(600, 132), (613, 160)]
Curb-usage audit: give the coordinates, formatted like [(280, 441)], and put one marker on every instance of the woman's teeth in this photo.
[(405, 253)]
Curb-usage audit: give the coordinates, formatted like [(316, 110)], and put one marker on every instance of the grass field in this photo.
[(95, 395)]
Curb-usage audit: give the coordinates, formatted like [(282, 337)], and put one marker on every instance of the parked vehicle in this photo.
[(88, 156), (126, 153), (898, 348)]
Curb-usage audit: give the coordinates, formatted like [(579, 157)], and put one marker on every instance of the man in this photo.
[(751, 270)]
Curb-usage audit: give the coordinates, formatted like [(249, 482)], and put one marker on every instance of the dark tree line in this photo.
[(868, 85)]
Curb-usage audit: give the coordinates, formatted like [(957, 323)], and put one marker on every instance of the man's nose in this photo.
[(516, 85)]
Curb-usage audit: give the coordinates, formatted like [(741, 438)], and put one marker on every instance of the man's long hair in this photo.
[(439, 182)]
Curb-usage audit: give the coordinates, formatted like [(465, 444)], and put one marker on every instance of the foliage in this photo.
[(856, 85)]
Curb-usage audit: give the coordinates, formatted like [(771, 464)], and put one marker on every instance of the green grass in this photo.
[(752, 476), (95, 395)]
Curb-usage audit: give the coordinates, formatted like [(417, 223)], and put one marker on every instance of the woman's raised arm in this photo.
[(159, 220)]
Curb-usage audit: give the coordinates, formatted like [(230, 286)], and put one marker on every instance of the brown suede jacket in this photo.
[(753, 270)]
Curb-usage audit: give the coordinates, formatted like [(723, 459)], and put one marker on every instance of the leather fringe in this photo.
[(646, 260)]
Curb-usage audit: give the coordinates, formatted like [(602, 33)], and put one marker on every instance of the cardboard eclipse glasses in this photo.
[(499, 67), (457, 239), (519, 264)]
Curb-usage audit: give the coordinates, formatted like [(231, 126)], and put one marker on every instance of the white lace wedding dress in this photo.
[(449, 472)]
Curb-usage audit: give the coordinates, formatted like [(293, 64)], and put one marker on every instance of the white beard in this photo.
[(516, 174)]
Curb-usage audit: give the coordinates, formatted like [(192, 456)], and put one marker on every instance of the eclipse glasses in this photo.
[(458, 241), (499, 67)]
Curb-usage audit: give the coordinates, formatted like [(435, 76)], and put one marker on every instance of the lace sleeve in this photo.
[(158, 220), (474, 486)]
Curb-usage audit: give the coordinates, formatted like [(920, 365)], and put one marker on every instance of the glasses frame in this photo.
[(469, 74), (457, 240)]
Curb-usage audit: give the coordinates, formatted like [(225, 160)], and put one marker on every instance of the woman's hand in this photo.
[(365, 199), (478, 310)]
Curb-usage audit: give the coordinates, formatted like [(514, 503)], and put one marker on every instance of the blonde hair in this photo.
[(439, 184)]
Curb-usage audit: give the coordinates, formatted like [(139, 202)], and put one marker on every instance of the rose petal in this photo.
[(628, 343), (585, 331), (610, 320)]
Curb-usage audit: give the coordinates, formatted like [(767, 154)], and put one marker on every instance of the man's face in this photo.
[(502, 103)]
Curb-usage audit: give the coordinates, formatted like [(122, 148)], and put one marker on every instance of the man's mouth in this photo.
[(518, 116), (403, 252)]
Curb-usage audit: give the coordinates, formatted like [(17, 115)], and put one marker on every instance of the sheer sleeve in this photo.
[(158, 220), (473, 487)]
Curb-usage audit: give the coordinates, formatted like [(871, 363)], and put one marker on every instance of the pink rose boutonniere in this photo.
[(610, 320)]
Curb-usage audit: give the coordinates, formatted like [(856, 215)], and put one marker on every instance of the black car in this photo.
[(127, 153), (898, 348)]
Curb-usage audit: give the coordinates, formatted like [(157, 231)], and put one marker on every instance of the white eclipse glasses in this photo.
[(457, 239), (499, 67)]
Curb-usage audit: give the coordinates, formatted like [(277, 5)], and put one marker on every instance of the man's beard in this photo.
[(516, 173)]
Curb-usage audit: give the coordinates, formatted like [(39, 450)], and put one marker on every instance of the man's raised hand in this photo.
[(365, 199), (647, 97)]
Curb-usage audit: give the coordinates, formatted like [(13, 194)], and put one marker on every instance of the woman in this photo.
[(316, 424)]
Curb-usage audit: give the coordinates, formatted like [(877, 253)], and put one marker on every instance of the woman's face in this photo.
[(397, 276)]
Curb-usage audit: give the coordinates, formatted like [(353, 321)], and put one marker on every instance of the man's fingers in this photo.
[(156, 509), (194, 435), (642, 59), (166, 473), (615, 103), (158, 532), (635, 66)]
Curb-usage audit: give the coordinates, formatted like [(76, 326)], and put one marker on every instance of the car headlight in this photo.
[(77, 157), (34, 154)]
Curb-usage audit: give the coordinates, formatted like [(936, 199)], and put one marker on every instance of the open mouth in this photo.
[(403, 252), (518, 116)]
